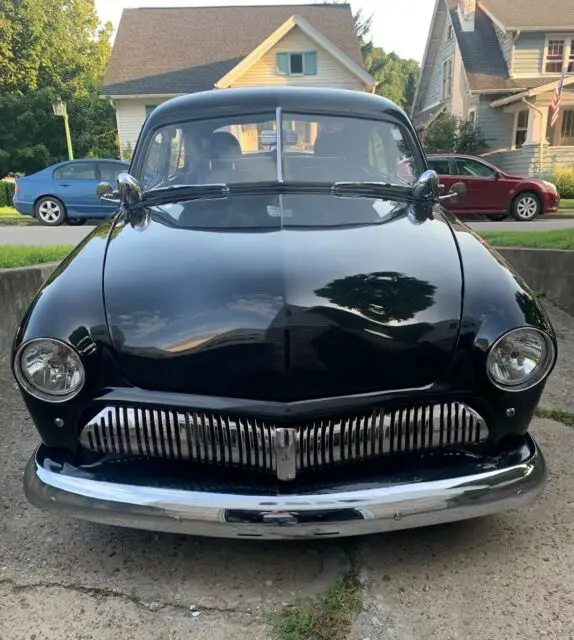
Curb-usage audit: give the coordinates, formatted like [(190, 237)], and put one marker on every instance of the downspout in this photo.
[(541, 149)]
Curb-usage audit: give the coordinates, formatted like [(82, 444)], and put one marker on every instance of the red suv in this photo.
[(492, 192)]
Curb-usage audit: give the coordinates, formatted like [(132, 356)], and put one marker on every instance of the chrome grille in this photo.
[(261, 445)]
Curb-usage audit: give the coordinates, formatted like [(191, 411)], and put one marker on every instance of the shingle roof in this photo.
[(183, 50), (484, 63), (532, 13)]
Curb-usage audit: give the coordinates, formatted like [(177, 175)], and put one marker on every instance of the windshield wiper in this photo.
[(373, 189), (181, 193)]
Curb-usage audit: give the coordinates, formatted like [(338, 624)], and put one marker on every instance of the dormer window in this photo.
[(449, 32), (297, 64), (559, 55)]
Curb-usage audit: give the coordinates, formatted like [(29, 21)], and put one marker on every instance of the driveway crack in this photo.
[(99, 592)]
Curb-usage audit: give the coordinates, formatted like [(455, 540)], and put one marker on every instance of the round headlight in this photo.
[(49, 370), (520, 359)]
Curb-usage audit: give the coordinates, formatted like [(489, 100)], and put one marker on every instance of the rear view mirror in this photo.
[(106, 192)]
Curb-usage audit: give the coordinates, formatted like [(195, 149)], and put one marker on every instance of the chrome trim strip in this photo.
[(387, 508), (279, 124), (266, 447)]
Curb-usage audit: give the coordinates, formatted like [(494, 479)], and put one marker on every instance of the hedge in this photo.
[(563, 178), (6, 193)]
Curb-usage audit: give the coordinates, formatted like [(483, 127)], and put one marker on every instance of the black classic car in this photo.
[(282, 333)]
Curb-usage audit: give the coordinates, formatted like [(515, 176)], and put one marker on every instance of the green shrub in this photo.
[(6, 193), (563, 178)]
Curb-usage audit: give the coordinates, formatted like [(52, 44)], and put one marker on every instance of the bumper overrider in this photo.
[(389, 507)]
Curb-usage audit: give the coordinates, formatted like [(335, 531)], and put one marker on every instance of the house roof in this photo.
[(485, 66), (531, 14), (168, 51)]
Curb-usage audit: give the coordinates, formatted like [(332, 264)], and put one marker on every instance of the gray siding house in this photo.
[(497, 63)]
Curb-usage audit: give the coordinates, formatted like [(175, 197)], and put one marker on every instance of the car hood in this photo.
[(285, 313)]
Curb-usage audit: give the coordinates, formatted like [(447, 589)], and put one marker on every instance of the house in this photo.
[(161, 53), (497, 63)]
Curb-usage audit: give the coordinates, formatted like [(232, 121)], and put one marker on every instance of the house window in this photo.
[(149, 108), (449, 32), (559, 55), (447, 78), (521, 128), (567, 129), (297, 64), (472, 116)]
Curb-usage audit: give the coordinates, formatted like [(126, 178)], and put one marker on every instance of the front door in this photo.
[(75, 185), (486, 192)]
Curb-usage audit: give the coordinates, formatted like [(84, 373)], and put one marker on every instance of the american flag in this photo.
[(555, 104)]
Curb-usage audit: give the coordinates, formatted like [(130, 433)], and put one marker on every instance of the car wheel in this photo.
[(50, 211), (76, 222), (497, 217), (526, 207)]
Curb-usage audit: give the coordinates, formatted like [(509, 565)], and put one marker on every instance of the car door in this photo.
[(75, 184), (486, 192), (443, 167), (109, 172)]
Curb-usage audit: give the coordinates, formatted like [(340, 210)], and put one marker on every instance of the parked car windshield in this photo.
[(313, 148)]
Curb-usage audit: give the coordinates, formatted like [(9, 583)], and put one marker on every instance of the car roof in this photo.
[(455, 155), (225, 102)]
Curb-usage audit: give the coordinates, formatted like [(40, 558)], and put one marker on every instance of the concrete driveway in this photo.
[(505, 577), (37, 235)]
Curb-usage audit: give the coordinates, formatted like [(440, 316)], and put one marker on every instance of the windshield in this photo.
[(248, 149)]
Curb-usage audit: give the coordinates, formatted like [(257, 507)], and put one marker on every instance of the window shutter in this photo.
[(149, 108), (310, 63), (283, 64)]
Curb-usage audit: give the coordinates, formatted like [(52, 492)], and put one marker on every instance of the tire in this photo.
[(497, 217), (50, 211), (76, 222), (526, 207)]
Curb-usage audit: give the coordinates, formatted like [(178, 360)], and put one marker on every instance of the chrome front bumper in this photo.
[(387, 508)]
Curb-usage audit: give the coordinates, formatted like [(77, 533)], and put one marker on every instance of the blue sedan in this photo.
[(66, 192)]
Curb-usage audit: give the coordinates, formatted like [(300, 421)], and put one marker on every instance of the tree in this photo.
[(397, 77), (450, 134), (50, 48)]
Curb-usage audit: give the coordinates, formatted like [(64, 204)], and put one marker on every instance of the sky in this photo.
[(398, 25)]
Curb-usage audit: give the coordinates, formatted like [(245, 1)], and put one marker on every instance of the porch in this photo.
[(535, 146)]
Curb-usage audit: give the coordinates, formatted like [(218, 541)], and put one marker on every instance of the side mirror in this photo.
[(128, 193), (457, 191), (106, 192), (427, 186)]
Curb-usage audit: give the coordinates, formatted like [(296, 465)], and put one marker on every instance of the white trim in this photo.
[(431, 106), (568, 49), (295, 20), (424, 60), (529, 93)]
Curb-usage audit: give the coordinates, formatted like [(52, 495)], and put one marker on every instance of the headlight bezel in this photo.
[(37, 392), (540, 372)]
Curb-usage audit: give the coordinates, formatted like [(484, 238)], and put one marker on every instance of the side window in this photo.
[(110, 170), (473, 168), (441, 166), (77, 171), (172, 151)]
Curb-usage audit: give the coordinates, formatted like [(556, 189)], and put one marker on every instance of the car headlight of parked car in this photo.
[(520, 359), (550, 186), (49, 369)]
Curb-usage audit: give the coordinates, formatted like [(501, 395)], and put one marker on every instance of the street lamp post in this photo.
[(60, 110)]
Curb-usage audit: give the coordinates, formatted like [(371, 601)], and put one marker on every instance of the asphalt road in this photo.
[(508, 576), (37, 235)]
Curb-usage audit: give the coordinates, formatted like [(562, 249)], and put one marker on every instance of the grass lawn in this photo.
[(557, 239), (21, 256), (566, 205)]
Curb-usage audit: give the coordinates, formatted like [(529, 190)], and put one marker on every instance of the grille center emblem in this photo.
[(285, 453)]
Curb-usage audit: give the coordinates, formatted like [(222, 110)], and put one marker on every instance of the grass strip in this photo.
[(329, 617), (23, 256)]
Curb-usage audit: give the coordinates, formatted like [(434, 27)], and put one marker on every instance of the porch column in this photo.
[(535, 133)]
